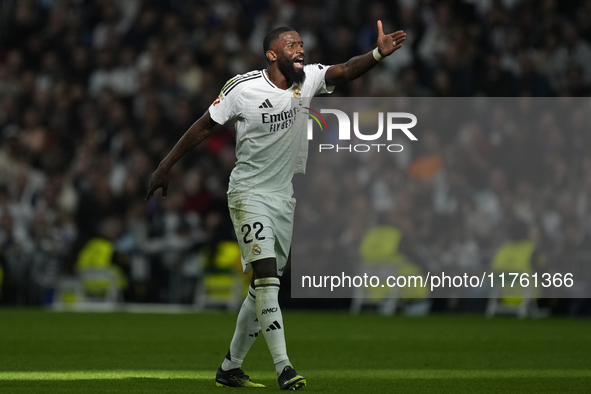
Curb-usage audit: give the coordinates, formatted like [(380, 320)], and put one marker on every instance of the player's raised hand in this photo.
[(388, 43), (158, 180)]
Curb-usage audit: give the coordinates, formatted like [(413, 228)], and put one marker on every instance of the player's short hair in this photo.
[(273, 35)]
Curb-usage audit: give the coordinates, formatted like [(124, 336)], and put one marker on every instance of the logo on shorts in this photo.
[(256, 249)]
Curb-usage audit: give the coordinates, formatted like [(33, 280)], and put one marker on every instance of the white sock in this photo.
[(271, 320), (247, 330)]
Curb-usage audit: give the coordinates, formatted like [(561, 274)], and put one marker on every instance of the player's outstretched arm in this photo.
[(195, 135), (359, 65)]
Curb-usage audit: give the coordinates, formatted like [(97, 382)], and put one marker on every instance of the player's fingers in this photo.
[(380, 30), (400, 40), (397, 36), (396, 41), (150, 193), (398, 45), (396, 33), (164, 190)]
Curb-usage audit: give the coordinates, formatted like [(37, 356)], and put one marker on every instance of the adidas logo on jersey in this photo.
[(274, 326), (266, 104)]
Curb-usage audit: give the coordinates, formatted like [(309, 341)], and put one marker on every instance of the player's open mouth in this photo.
[(298, 62)]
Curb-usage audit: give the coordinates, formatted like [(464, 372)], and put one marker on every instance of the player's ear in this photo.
[(271, 56)]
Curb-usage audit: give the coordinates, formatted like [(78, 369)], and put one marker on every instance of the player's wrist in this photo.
[(377, 54), (164, 166)]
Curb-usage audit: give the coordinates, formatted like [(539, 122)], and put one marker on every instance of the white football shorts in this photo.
[(263, 226)]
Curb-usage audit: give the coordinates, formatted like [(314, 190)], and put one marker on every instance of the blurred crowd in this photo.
[(94, 93), (484, 172)]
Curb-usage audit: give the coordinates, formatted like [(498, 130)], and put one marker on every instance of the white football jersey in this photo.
[(271, 139)]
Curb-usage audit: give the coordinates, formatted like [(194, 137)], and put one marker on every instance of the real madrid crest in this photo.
[(256, 249), (297, 92)]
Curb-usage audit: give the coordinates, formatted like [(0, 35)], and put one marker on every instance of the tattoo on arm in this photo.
[(198, 135), (352, 69), (359, 65), (353, 66)]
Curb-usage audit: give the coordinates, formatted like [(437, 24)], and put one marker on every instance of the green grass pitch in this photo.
[(44, 352)]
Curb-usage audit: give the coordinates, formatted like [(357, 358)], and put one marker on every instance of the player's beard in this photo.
[(289, 71)]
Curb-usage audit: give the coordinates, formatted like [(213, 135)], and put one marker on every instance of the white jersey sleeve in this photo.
[(317, 73), (225, 108)]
